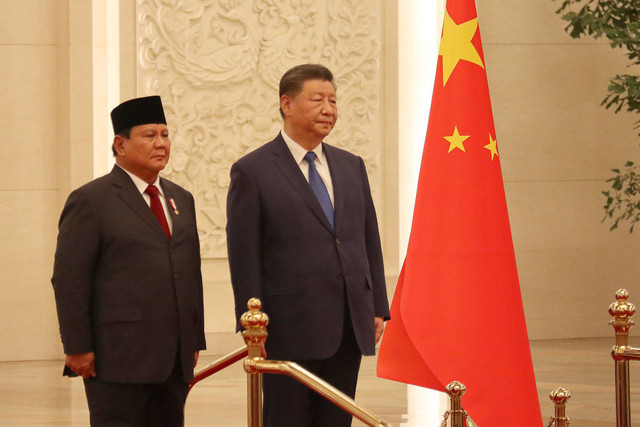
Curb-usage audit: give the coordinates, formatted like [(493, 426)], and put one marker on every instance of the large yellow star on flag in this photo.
[(456, 45), (456, 140), (492, 147)]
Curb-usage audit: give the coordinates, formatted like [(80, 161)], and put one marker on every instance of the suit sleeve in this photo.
[(244, 239), (200, 334), (374, 252), (73, 272)]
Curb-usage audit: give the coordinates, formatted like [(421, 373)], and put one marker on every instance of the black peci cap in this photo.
[(137, 111)]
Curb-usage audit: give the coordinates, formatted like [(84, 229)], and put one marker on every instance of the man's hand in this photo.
[(195, 358), (82, 364), (379, 322)]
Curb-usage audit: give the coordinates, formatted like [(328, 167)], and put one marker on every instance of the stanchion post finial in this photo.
[(254, 323), (559, 397), (622, 311), (456, 390)]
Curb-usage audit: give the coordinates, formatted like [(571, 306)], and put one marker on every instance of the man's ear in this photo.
[(118, 144), (285, 105)]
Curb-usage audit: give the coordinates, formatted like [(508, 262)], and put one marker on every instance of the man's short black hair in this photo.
[(293, 80)]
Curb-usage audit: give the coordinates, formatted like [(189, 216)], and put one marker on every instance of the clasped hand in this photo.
[(82, 364)]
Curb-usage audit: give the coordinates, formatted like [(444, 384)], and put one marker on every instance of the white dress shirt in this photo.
[(321, 163)]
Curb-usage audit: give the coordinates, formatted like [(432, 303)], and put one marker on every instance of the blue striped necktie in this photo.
[(318, 187)]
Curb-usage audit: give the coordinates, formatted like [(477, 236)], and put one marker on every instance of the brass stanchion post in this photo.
[(254, 323), (622, 311), (559, 397), (456, 390)]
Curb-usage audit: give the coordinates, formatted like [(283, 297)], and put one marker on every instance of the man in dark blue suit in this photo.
[(303, 237), (127, 279)]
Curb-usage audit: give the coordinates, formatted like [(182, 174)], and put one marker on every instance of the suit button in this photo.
[(338, 241)]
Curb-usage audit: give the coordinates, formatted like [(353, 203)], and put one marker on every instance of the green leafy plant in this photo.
[(619, 22), (623, 203)]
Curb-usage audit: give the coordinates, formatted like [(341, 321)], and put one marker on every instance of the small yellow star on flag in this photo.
[(492, 147), (456, 140), (456, 45)]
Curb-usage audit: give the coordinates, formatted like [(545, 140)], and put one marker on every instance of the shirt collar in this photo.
[(140, 184), (298, 152)]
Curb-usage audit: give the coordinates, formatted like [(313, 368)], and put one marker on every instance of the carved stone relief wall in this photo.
[(217, 64)]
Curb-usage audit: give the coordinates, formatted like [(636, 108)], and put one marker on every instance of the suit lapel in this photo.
[(128, 192), (285, 162)]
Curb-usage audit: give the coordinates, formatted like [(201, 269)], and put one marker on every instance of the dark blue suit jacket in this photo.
[(283, 250), (123, 290)]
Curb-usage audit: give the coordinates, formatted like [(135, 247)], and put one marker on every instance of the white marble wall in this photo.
[(217, 66), (29, 177)]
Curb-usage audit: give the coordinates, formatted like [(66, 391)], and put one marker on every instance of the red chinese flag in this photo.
[(457, 312)]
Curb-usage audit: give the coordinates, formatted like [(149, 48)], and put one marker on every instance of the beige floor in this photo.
[(33, 393)]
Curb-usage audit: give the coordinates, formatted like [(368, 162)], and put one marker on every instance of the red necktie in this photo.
[(156, 207)]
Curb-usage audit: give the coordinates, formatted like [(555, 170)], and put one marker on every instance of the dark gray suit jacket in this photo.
[(122, 289), (283, 251)]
